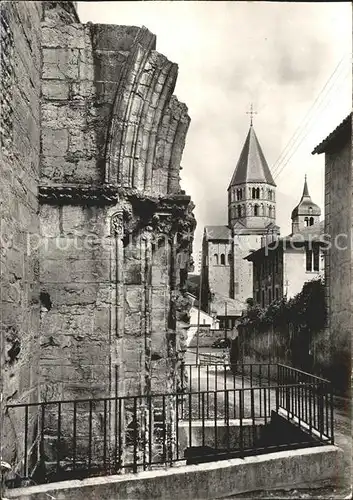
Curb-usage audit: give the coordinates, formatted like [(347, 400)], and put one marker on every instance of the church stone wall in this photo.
[(19, 170), (243, 269), (218, 273)]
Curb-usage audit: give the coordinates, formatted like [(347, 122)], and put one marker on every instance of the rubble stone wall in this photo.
[(19, 170), (338, 279)]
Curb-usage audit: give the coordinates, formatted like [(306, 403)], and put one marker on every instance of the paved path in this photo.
[(216, 379), (343, 439)]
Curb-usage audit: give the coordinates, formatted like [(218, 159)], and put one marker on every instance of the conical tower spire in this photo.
[(305, 190), (251, 193), (252, 165)]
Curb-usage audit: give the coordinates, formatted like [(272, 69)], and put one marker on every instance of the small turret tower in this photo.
[(306, 213)]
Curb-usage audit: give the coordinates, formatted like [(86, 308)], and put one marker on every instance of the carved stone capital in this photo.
[(117, 223), (162, 223), (147, 234)]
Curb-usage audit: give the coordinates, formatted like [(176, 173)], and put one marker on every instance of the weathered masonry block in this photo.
[(93, 138), (20, 87)]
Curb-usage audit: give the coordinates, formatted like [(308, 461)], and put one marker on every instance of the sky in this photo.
[(292, 61)]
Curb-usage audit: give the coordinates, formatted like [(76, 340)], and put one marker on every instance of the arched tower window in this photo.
[(270, 211), (223, 259), (256, 209), (306, 221), (253, 193), (311, 221), (270, 194), (262, 192), (215, 259), (257, 193), (239, 210)]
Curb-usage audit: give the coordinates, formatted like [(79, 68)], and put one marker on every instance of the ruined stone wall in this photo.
[(117, 229), (96, 234), (19, 170)]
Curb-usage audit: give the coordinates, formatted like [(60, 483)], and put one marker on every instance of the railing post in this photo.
[(26, 444), (207, 389), (227, 417), (252, 403), (332, 416), (241, 434), (58, 435), (182, 375), (203, 418), (136, 430), (190, 421), (74, 437), (321, 409), (215, 417), (151, 427), (287, 399)]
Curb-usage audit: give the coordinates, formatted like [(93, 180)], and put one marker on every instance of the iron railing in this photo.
[(81, 438), (308, 400)]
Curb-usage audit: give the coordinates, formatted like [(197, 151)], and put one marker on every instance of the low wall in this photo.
[(311, 466), (205, 435), (287, 345), (207, 336)]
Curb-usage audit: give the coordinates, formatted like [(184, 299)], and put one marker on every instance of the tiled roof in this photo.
[(252, 165), (217, 232), (343, 130), (234, 307)]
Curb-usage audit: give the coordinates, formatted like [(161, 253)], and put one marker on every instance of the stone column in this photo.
[(146, 255), (117, 423), (117, 309)]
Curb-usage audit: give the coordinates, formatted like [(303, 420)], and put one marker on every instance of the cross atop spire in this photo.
[(251, 113)]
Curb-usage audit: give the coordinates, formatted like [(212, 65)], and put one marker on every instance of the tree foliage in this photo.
[(305, 310)]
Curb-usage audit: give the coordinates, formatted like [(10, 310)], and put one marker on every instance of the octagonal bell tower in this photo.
[(251, 213), (252, 190)]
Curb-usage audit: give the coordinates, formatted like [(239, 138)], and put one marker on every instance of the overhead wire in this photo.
[(320, 99), (285, 163)]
